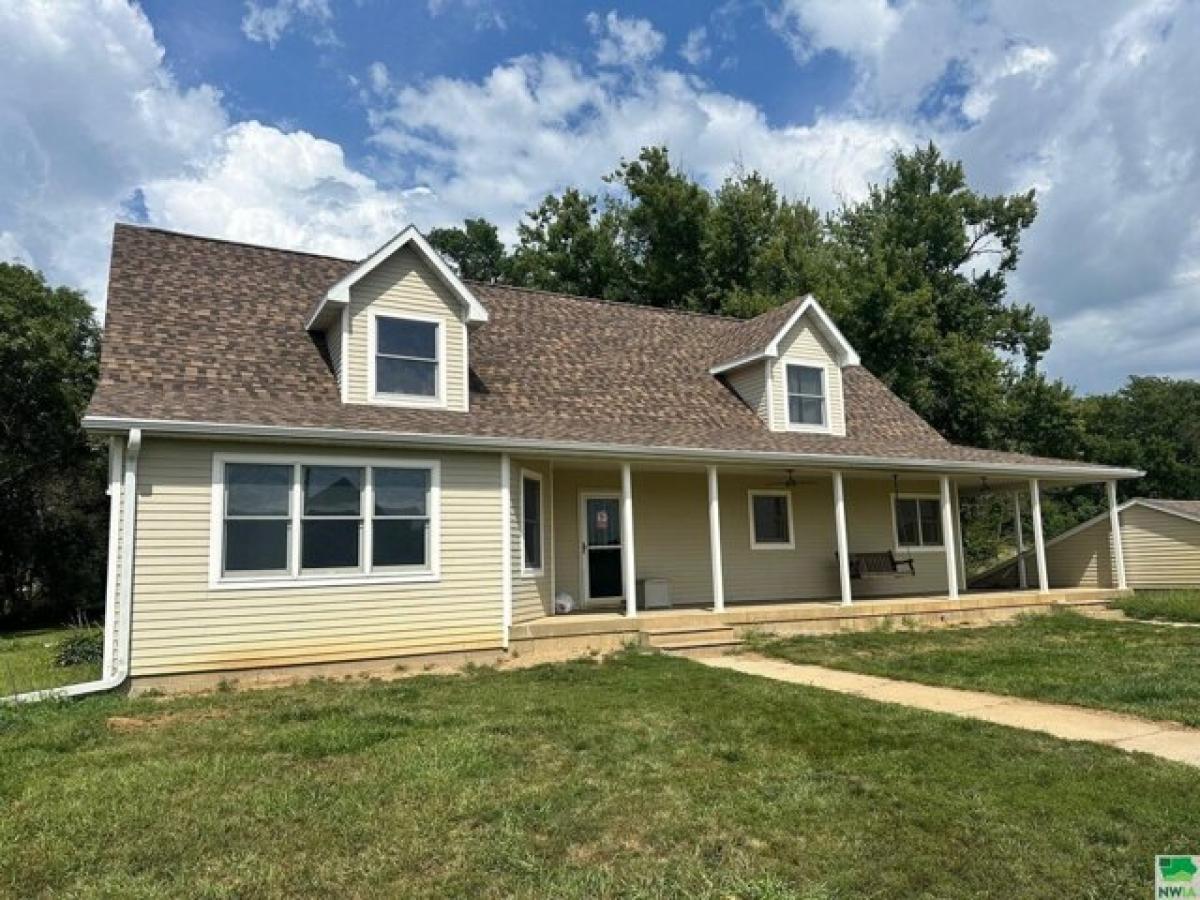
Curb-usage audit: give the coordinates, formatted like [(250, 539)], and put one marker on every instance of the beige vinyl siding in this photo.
[(181, 625), (750, 383), (406, 284), (333, 340), (531, 593), (806, 345), (671, 534), (1161, 550)]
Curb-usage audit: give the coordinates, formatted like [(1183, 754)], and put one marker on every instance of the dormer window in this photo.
[(806, 396), (407, 359)]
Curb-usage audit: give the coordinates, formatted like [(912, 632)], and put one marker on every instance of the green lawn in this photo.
[(27, 662), (642, 776), (1170, 606), (1142, 669)]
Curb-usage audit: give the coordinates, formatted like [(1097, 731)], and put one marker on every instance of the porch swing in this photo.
[(881, 563)]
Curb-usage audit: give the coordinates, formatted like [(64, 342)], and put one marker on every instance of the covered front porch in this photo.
[(649, 539)]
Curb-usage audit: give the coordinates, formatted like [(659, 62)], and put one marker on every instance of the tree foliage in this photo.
[(52, 507)]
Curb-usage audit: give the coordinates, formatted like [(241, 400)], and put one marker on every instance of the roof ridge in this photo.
[(565, 295), (231, 242)]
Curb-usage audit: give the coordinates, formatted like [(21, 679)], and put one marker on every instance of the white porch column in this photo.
[(714, 541), (843, 544), (628, 562), (506, 524), (1114, 527), (948, 538), (1022, 574), (961, 558), (1039, 543)]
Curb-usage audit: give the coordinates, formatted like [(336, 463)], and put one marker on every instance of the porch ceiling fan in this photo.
[(791, 481)]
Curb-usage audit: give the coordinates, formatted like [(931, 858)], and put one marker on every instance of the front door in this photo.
[(601, 530)]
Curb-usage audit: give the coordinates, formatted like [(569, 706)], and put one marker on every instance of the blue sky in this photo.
[(328, 124)]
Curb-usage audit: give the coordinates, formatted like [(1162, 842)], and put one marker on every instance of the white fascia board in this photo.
[(847, 355), (1084, 474), (738, 363), (340, 292), (1149, 503)]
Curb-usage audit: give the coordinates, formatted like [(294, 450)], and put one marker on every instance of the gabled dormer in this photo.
[(788, 368), (397, 328)]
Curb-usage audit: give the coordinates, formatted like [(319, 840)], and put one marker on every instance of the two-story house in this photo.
[(318, 462)]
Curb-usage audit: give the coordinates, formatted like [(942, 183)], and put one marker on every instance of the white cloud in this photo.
[(482, 14), (379, 77), (624, 42), (695, 47), (853, 27), (107, 122), (538, 123), (267, 22)]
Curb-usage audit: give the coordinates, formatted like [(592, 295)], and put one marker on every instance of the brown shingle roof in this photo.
[(203, 330)]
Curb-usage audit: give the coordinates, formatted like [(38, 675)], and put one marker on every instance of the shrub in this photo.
[(81, 646)]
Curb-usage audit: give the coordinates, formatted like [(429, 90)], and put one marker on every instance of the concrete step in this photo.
[(697, 637)]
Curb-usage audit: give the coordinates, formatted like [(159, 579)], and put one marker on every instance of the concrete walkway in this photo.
[(1072, 723)]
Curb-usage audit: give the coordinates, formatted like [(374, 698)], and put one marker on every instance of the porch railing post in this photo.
[(948, 538), (629, 563), (714, 541), (1039, 543), (843, 544), (1114, 528), (1022, 574), (961, 557)]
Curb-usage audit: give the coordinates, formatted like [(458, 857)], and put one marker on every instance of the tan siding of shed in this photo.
[(181, 625), (805, 344), (406, 284), (1161, 550)]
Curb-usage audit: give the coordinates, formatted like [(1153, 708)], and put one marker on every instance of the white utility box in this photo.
[(654, 593)]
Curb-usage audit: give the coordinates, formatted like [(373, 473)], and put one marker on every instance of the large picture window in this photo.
[(771, 520), (323, 520), (806, 395), (918, 522), (531, 523), (406, 357)]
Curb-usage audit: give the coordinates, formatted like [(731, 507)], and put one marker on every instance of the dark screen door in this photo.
[(602, 544)]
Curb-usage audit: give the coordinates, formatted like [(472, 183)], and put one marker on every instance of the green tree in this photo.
[(567, 244), (662, 221), (922, 268), (475, 249), (51, 480)]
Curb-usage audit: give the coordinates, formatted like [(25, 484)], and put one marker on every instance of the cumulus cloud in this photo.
[(624, 42), (267, 22), (854, 27), (537, 123), (110, 135)]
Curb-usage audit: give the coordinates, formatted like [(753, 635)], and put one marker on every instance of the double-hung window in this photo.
[(918, 522), (771, 520), (531, 523), (406, 359), (295, 521), (806, 395)]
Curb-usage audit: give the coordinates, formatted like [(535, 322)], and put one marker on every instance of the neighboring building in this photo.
[(1160, 540), (317, 460)]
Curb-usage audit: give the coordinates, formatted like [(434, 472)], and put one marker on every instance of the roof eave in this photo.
[(111, 424)]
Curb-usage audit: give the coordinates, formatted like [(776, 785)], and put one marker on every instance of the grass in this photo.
[(27, 662), (1064, 658), (641, 776), (1168, 606)]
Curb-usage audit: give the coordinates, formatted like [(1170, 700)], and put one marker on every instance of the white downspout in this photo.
[(116, 661)]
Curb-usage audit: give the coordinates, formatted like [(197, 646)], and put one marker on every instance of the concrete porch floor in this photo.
[(604, 631)]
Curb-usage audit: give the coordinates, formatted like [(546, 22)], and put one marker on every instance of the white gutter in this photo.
[(620, 451), (115, 668)]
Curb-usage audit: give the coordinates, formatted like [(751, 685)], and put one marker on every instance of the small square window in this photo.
[(406, 357), (806, 395), (918, 522), (770, 519)]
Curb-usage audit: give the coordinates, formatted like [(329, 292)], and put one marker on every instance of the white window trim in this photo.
[(914, 548), (826, 387), (419, 400), (532, 476), (217, 580), (791, 541)]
